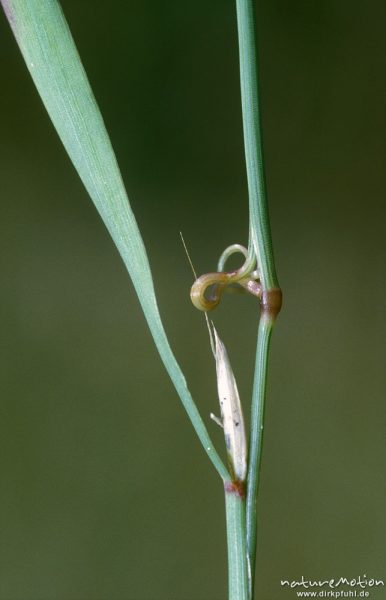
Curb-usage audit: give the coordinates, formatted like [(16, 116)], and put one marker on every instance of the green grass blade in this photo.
[(49, 51)]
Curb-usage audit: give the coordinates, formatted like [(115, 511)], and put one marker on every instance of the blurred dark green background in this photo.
[(105, 492)]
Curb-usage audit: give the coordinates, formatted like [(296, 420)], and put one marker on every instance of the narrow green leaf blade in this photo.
[(49, 51)]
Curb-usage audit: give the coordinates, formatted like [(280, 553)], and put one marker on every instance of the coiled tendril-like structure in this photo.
[(247, 276)]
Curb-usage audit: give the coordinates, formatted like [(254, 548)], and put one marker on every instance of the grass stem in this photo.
[(258, 211), (260, 235), (237, 552), (256, 439)]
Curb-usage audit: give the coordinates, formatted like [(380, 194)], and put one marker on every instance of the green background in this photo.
[(105, 491)]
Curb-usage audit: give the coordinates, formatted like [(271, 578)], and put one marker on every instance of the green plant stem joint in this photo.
[(247, 277)]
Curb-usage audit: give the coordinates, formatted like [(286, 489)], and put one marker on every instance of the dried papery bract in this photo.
[(232, 419)]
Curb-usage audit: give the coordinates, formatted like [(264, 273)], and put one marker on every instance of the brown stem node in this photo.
[(271, 302), (235, 487)]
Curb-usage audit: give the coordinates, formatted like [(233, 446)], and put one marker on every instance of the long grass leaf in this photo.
[(49, 51)]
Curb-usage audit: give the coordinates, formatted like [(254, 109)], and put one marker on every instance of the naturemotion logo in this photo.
[(325, 586)]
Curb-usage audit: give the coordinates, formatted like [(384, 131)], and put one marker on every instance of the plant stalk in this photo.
[(258, 210), (256, 439), (260, 240), (238, 587)]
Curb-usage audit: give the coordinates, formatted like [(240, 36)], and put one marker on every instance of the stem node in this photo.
[(271, 302), (235, 487)]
